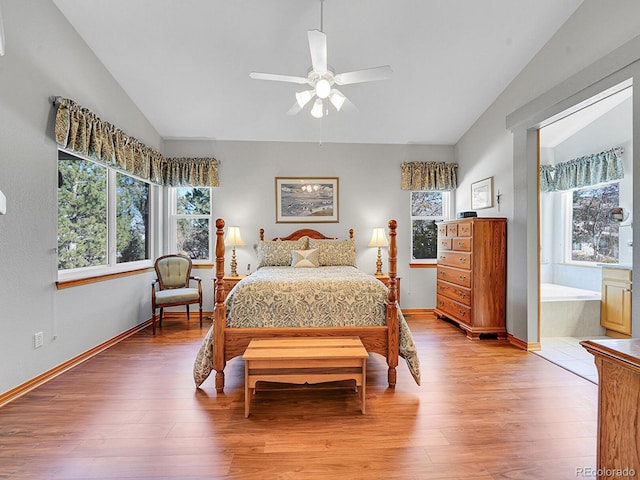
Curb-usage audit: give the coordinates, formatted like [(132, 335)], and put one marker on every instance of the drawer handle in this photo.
[(462, 277), (463, 260), (441, 273), (442, 257), (462, 295), (462, 313), (461, 244)]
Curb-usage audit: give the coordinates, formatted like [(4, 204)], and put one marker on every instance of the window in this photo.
[(427, 207), (103, 215), (593, 237), (191, 222), (132, 213)]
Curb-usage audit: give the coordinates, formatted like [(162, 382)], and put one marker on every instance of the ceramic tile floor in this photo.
[(567, 353)]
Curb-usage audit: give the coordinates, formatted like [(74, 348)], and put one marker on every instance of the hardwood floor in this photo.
[(485, 410)]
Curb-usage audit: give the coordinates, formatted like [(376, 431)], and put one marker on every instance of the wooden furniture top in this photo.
[(305, 232), (304, 348), (623, 350)]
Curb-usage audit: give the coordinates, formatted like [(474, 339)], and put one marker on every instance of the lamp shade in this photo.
[(316, 110), (337, 99), (378, 238), (304, 97), (233, 237)]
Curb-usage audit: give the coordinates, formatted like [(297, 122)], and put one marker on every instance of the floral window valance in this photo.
[(582, 172), (429, 176), (80, 130)]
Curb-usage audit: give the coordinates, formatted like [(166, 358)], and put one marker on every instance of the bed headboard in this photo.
[(305, 232)]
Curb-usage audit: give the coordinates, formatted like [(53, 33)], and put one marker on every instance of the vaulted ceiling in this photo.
[(186, 63)]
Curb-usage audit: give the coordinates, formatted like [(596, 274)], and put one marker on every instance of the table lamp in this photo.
[(378, 239), (234, 240)]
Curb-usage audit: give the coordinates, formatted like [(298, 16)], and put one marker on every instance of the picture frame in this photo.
[(307, 200), (482, 194)]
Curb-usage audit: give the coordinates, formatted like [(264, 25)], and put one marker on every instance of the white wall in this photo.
[(44, 57), (369, 188), (489, 148)]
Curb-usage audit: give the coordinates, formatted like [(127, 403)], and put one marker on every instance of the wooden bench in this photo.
[(304, 360)]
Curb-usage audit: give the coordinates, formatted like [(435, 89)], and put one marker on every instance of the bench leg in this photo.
[(247, 395), (364, 384)]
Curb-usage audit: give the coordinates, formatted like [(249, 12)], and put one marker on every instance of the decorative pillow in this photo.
[(304, 258), (335, 252), (276, 253)]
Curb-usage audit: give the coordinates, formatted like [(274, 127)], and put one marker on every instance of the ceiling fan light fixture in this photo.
[(304, 96), (317, 109), (323, 88), (337, 99)]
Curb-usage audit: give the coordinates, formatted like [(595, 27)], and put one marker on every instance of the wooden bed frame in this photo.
[(232, 342)]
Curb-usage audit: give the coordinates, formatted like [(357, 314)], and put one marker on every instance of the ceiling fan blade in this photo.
[(367, 75), (277, 78), (349, 106), (295, 109), (318, 49)]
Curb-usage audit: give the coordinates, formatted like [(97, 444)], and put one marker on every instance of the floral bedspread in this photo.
[(307, 297)]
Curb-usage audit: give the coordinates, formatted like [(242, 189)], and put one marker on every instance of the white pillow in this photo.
[(305, 258)]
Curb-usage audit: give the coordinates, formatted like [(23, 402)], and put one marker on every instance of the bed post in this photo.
[(219, 309), (262, 234), (392, 309)]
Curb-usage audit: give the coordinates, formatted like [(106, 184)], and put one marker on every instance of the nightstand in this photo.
[(229, 282), (385, 279)]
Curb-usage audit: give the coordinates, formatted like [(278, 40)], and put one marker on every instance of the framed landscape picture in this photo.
[(306, 199), (482, 194)]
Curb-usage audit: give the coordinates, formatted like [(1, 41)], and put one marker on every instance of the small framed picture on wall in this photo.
[(482, 194)]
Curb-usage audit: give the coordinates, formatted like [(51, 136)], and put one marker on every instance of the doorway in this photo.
[(579, 234)]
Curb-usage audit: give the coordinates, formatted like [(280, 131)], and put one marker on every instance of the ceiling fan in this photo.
[(322, 79)]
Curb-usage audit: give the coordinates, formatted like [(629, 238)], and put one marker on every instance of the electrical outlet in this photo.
[(38, 340)]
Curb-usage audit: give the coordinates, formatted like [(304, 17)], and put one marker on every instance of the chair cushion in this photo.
[(177, 295)]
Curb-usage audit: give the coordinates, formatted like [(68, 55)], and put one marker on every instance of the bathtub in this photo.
[(569, 312)]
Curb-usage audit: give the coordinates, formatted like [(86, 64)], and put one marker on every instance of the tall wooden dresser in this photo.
[(472, 274)]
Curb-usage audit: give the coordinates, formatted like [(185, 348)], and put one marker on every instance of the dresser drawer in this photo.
[(453, 275), (442, 230), (461, 244), (459, 294), (445, 244), (455, 259), (452, 230), (456, 310), (465, 229)]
